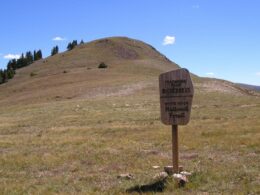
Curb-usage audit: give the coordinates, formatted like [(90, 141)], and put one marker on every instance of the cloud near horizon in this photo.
[(58, 39), (12, 56), (258, 74), (168, 40)]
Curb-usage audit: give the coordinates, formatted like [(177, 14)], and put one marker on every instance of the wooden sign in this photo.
[(176, 93)]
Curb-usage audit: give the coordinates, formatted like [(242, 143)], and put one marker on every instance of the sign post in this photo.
[(176, 93)]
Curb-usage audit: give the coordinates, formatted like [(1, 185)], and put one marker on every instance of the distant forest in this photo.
[(27, 59)]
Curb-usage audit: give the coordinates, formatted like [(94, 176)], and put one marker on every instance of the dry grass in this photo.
[(81, 146), (75, 132)]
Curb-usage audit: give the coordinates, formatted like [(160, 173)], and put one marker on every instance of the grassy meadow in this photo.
[(72, 128), (81, 146)]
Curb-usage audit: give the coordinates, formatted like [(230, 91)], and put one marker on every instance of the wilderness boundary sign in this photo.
[(176, 93)]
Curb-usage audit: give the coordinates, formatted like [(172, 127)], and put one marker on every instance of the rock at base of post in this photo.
[(169, 169)]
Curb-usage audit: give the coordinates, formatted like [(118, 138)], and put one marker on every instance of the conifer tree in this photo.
[(1, 76), (69, 47), (55, 50), (35, 57), (39, 54), (5, 78), (20, 62), (10, 73), (72, 45), (29, 58), (12, 64)]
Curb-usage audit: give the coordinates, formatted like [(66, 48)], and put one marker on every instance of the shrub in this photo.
[(102, 65), (32, 74)]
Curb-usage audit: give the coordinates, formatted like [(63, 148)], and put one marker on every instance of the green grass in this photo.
[(81, 146)]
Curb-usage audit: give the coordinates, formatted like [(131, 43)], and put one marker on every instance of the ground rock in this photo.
[(125, 176), (181, 179), (160, 176)]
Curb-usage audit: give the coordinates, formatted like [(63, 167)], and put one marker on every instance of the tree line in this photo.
[(14, 64), (27, 59)]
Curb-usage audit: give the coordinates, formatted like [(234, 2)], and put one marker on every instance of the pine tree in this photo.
[(10, 73), (55, 50), (20, 62), (1, 76), (81, 42), (12, 64), (39, 54), (35, 57), (5, 77), (72, 45), (69, 47), (29, 58)]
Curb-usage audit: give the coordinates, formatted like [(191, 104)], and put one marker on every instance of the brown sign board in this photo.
[(176, 93)]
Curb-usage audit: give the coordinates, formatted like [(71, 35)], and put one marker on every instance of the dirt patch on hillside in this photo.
[(123, 90), (125, 53), (119, 50)]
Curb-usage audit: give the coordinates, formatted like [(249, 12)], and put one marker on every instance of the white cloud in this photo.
[(58, 39), (168, 40), (12, 56), (257, 74), (210, 74)]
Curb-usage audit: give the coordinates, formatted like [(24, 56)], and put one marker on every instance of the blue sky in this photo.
[(214, 38)]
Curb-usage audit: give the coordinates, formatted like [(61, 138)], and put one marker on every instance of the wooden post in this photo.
[(175, 149)]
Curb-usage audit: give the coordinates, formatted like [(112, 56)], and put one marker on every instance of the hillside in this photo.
[(75, 74), (132, 65), (68, 127)]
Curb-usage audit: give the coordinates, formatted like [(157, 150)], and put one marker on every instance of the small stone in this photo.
[(160, 176), (125, 176), (177, 176), (168, 169), (181, 179), (185, 173), (156, 166)]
